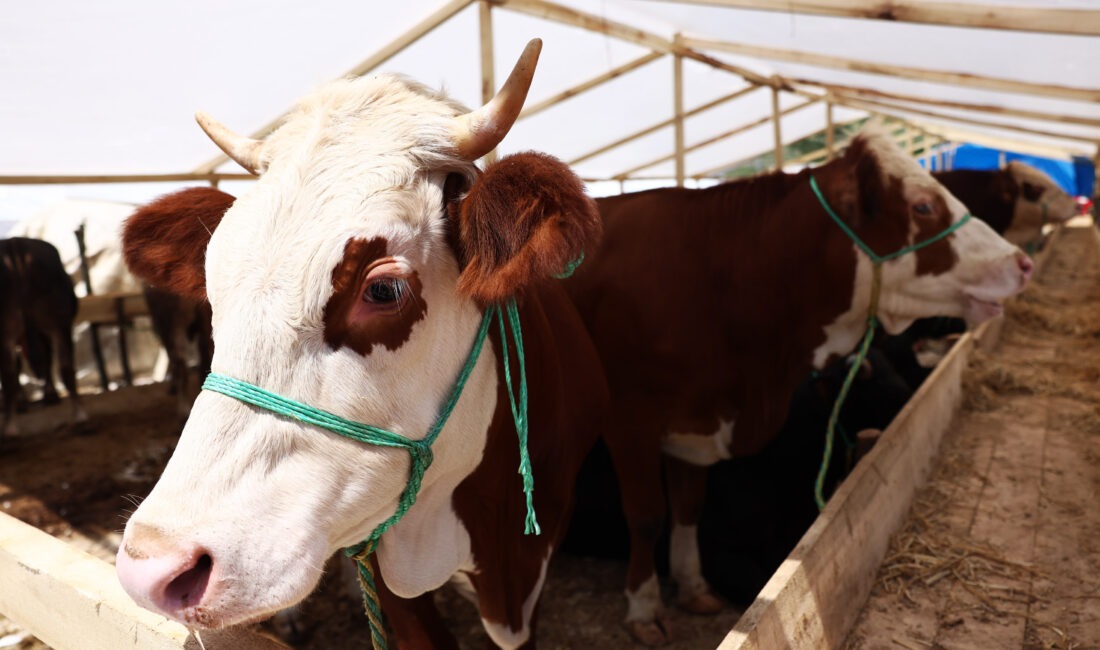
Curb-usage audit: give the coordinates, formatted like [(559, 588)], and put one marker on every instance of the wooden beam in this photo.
[(961, 134), (777, 130), (73, 601), (830, 129), (630, 66), (871, 94), (1049, 20), (717, 138), (76, 179), (660, 125), (678, 112), (918, 74), (488, 72), (107, 307), (889, 107), (387, 52), (601, 25)]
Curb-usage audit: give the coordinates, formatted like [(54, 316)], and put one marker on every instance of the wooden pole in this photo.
[(660, 125), (777, 130), (630, 66), (488, 76), (1050, 20), (93, 328), (76, 179), (918, 74), (678, 111), (830, 129), (388, 51)]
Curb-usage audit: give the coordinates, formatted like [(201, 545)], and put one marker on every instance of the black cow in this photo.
[(37, 308)]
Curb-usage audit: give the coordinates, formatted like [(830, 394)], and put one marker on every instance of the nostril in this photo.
[(187, 588), (1025, 264)]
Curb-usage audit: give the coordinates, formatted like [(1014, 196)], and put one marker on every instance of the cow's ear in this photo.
[(164, 242), (1005, 186), (525, 218)]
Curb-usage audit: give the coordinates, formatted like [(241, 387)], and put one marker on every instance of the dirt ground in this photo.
[(1002, 547), (80, 487)]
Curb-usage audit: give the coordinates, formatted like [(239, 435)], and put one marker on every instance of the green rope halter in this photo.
[(872, 322), (420, 451)]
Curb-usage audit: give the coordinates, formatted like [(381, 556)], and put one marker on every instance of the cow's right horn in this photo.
[(479, 132), (244, 150)]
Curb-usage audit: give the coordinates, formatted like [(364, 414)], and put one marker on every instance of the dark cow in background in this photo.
[(37, 308), (1016, 201), (709, 307), (179, 322)]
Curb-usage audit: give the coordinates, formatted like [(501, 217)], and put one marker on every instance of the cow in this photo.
[(178, 321), (38, 305), (709, 307), (357, 277), (1016, 201)]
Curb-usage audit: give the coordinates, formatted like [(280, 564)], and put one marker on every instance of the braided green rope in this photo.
[(872, 321), (420, 451)]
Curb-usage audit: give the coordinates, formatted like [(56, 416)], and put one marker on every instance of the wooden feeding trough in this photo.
[(815, 597)]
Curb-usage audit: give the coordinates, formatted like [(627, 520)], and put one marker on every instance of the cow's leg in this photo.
[(414, 623), (63, 343), (177, 362), (687, 485), (635, 452), (40, 357)]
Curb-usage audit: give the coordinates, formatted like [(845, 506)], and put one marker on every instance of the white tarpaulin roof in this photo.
[(110, 87)]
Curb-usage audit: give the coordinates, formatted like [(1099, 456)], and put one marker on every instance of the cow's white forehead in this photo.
[(896, 163)]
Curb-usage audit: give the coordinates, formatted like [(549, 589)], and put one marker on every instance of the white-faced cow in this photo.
[(709, 307), (354, 278), (1016, 201), (37, 308)]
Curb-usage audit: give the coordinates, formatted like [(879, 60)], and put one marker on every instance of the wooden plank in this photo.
[(488, 73), (73, 601), (918, 74), (102, 307), (777, 130), (1049, 20), (813, 600), (963, 134), (678, 113), (68, 179), (585, 86)]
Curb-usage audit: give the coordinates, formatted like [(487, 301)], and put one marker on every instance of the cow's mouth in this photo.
[(979, 310)]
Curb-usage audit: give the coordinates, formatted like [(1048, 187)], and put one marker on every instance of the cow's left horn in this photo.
[(244, 150), (479, 132)]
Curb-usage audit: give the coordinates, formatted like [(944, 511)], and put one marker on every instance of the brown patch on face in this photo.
[(352, 319), (939, 257)]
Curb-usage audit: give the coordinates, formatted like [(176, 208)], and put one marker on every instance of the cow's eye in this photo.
[(385, 291), (924, 209)]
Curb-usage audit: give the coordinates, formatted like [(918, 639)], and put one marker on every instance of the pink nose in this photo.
[(1026, 265), (160, 576)]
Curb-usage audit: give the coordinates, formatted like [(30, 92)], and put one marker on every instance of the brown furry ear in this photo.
[(526, 218), (164, 242)]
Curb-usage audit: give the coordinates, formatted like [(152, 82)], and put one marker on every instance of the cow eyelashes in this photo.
[(386, 291)]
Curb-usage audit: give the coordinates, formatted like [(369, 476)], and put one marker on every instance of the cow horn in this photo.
[(246, 151), (479, 132)]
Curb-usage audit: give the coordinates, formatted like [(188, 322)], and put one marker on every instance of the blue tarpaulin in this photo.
[(1077, 177)]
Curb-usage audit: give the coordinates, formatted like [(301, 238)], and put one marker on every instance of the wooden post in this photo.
[(777, 130), (488, 76), (830, 137), (678, 110), (93, 328)]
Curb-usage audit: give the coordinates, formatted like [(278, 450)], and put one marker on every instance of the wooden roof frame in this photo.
[(681, 48)]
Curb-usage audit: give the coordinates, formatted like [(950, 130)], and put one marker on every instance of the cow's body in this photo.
[(709, 307), (353, 278), (37, 308), (178, 321), (1016, 201)]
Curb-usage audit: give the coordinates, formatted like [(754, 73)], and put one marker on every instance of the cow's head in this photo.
[(351, 278), (891, 203), (1040, 201)]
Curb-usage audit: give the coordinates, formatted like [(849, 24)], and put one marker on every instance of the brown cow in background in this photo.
[(37, 308)]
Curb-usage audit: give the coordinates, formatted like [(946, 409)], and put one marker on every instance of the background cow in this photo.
[(37, 308), (709, 307), (178, 321), (1017, 201), (354, 277)]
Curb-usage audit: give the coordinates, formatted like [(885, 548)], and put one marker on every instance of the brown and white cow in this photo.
[(353, 278), (1017, 201), (710, 306)]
